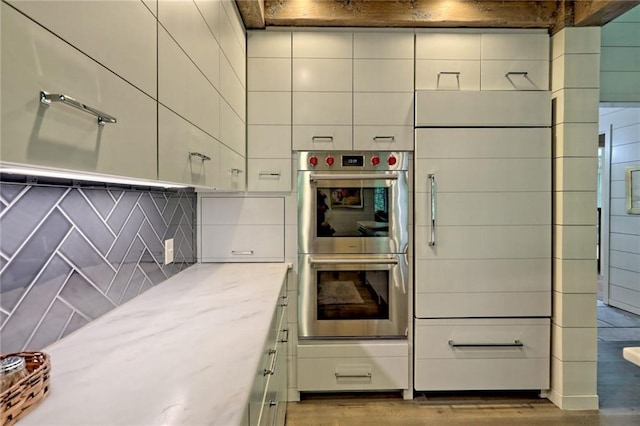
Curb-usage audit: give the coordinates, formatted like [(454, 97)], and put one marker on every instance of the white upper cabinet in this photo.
[(322, 90), (120, 35), (186, 154), (186, 25), (515, 61), (58, 134), (269, 82), (383, 89), (510, 60), (447, 61)]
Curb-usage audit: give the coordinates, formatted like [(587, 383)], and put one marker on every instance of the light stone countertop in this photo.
[(632, 354), (182, 353)]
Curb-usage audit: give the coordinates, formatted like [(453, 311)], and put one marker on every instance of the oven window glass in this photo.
[(352, 212), (353, 295)]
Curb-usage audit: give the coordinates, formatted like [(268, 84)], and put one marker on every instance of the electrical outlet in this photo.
[(168, 251)]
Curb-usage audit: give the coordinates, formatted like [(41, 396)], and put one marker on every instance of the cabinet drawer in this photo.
[(243, 243), (88, 25), (177, 140), (313, 108), (447, 75), (383, 75), (242, 211), (322, 138), (448, 46), (61, 136), (383, 138), (515, 75), (183, 89), (359, 374), (475, 354), (322, 75), (375, 109), (383, 45), (510, 46), (269, 175), (322, 45)]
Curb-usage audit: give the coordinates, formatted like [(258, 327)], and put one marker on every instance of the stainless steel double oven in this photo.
[(352, 245)]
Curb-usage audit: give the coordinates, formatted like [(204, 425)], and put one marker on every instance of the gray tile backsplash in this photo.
[(69, 255)]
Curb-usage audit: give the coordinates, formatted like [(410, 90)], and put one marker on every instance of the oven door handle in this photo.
[(354, 176), (363, 261)]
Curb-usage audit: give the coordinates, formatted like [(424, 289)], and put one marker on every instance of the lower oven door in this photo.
[(353, 296)]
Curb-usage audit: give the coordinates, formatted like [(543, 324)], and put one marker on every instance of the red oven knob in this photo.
[(313, 160), (392, 160), (330, 160), (375, 160)]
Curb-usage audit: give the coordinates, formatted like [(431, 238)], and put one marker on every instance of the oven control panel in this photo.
[(353, 161)]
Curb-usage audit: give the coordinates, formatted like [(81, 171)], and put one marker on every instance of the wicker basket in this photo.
[(26, 394)]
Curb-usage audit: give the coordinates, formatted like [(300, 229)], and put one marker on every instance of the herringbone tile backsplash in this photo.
[(69, 255)]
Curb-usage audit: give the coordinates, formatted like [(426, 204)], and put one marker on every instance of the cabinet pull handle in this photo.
[(432, 180), (242, 252), (197, 154), (365, 375), (322, 138), (516, 344), (456, 73), (285, 301), (384, 138), (347, 261), (48, 98), (272, 403), (235, 171), (348, 176), (286, 339), (270, 174), (272, 367), (522, 73)]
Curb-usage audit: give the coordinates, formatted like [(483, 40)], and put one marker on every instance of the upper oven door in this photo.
[(356, 212)]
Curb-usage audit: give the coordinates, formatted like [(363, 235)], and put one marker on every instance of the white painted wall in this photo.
[(622, 129)]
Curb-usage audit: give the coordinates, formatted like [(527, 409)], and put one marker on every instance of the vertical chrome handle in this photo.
[(48, 98), (286, 338), (432, 179)]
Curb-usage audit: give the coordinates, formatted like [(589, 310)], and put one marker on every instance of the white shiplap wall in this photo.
[(620, 60), (622, 127)]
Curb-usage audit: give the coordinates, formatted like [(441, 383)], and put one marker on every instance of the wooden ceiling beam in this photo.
[(411, 13), (594, 13), (252, 12)]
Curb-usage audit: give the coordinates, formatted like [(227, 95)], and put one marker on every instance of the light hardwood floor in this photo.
[(618, 391)]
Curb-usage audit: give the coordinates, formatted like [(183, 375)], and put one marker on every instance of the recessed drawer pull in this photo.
[(516, 344), (522, 73), (322, 138), (197, 154), (48, 98), (456, 73), (384, 138), (242, 252), (346, 376), (270, 174)]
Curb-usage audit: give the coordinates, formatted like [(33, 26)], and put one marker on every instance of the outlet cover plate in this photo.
[(168, 251)]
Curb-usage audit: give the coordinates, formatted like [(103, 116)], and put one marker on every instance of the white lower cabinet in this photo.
[(357, 366), (482, 354), (58, 134), (268, 399)]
